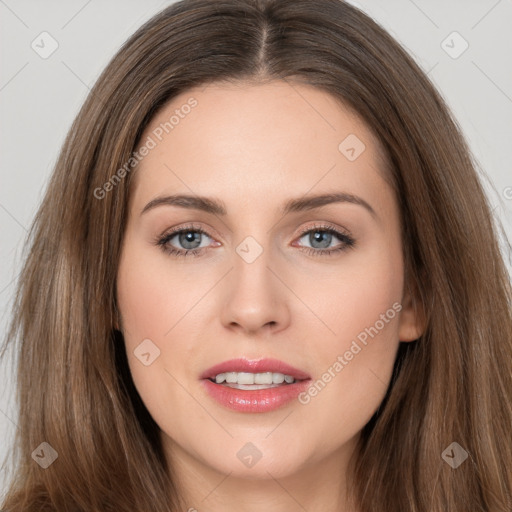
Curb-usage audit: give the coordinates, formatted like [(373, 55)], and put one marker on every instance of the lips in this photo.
[(254, 366), (254, 400)]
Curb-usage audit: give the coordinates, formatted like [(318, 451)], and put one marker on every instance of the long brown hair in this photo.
[(453, 384)]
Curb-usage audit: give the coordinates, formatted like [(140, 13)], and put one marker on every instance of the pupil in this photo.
[(319, 235), (190, 237)]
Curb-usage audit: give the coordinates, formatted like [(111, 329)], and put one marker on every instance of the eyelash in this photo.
[(163, 241)]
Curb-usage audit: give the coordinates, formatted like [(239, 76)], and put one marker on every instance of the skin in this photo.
[(254, 147)]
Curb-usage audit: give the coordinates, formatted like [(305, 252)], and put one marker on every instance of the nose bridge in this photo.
[(253, 297), (251, 275)]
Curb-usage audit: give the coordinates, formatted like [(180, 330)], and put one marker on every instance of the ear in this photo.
[(412, 318)]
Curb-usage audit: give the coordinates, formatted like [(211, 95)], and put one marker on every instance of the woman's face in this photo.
[(271, 274)]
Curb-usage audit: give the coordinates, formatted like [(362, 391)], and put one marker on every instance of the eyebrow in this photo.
[(217, 207)]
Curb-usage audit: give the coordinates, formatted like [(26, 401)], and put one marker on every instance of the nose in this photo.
[(254, 298)]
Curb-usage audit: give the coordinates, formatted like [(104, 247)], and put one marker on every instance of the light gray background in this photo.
[(40, 97)]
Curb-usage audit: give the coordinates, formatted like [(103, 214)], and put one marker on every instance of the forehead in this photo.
[(259, 140)]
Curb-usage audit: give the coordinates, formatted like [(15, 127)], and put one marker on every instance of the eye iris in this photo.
[(190, 237), (320, 236)]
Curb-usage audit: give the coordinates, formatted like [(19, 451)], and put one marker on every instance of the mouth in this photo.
[(248, 381), (254, 385)]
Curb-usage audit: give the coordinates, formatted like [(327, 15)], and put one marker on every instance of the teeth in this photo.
[(263, 378), (246, 378), (277, 378)]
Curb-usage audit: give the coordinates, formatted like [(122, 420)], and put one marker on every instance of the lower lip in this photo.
[(259, 400)]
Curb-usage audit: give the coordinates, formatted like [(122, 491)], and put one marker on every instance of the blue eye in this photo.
[(189, 238), (320, 237)]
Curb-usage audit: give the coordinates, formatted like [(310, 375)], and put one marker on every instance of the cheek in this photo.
[(151, 309), (356, 294), (151, 300), (361, 306), (351, 383)]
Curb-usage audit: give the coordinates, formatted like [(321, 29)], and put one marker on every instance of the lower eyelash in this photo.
[(185, 252), (348, 242)]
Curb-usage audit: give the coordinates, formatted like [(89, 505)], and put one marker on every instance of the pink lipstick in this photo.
[(260, 385)]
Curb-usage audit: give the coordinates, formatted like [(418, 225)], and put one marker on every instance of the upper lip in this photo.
[(254, 366)]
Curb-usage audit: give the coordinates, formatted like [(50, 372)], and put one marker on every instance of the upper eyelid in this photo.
[(324, 227)]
